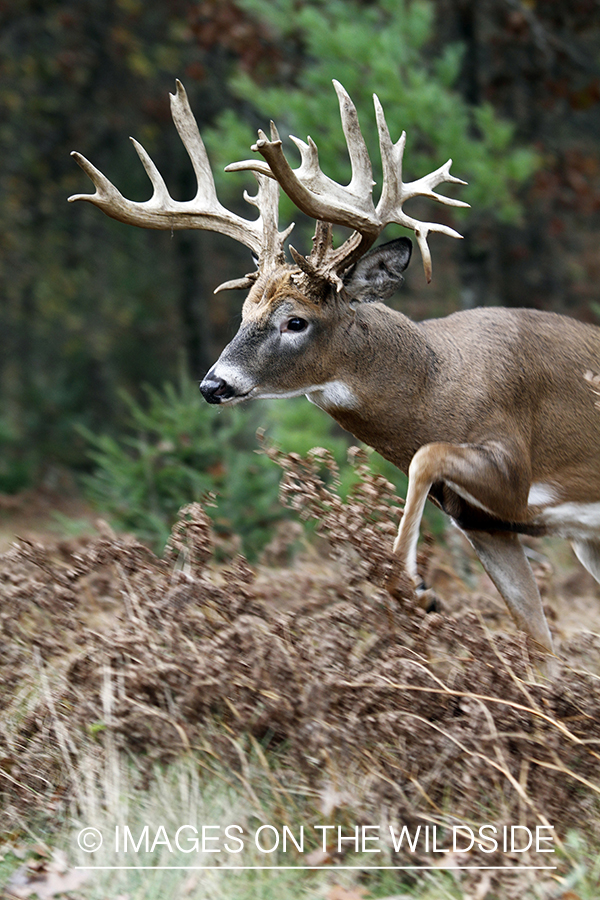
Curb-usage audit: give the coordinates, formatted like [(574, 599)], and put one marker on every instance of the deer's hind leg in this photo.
[(588, 554), (503, 558), (486, 477), (489, 479)]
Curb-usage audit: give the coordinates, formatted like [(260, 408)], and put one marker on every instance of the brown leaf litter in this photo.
[(431, 715)]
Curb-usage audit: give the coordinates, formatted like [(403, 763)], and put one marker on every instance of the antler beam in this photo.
[(313, 192), (395, 192), (323, 199), (204, 211)]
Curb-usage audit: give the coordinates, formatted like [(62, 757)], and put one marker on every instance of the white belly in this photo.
[(575, 521), (568, 519)]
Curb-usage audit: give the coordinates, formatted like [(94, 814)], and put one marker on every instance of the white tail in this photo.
[(487, 410)]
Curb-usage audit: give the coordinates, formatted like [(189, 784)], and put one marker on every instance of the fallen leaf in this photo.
[(44, 879), (317, 858), (338, 892)]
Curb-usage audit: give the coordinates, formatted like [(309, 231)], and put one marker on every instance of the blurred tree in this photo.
[(382, 48), (537, 63), (89, 306)]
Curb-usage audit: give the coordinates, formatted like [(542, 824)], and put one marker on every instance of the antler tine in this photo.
[(267, 201), (313, 192), (204, 211), (326, 201), (362, 183), (423, 187), (187, 128), (395, 192), (160, 194), (106, 193), (327, 264)]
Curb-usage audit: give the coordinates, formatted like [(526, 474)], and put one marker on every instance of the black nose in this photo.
[(214, 389)]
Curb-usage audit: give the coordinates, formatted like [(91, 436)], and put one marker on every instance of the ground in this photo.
[(301, 682)]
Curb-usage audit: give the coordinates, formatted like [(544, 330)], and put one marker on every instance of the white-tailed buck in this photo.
[(487, 410)]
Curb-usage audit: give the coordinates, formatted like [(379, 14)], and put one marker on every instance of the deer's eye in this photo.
[(295, 324)]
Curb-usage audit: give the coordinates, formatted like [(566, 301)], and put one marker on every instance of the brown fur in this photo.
[(475, 407)]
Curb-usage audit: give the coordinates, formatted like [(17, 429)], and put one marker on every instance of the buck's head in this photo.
[(296, 329), (297, 318)]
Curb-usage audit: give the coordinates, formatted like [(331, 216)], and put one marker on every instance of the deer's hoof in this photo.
[(400, 585), (429, 600), (403, 587)]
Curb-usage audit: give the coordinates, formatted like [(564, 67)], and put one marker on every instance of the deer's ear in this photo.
[(379, 273)]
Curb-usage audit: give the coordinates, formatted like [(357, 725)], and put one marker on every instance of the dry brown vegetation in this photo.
[(410, 716)]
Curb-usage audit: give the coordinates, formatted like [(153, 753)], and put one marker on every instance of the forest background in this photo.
[(106, 330)]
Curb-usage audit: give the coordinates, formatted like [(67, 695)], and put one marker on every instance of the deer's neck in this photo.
[(388, 371)]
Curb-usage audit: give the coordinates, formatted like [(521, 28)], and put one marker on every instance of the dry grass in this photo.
[(369, 705)]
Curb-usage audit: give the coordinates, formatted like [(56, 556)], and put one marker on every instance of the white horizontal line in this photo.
[(336, 868)]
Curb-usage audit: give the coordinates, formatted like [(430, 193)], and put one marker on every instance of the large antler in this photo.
[(204, 211), (308, 187), (325, 200)]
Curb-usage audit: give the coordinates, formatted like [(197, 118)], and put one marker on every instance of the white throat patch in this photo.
[(332, 395), (541, 494)]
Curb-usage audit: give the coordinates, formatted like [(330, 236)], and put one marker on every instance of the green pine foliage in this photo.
[(381, 48), (177, 450)]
